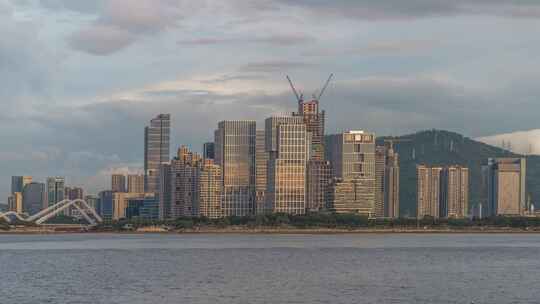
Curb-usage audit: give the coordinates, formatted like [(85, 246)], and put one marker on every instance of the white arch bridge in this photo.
[(87, 212)]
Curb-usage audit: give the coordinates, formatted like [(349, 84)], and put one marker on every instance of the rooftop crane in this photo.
[(324, 88), (299, 97)]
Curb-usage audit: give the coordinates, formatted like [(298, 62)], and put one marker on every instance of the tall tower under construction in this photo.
[(318, 169)]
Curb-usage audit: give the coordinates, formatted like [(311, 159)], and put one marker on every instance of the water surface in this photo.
[(208, 268)]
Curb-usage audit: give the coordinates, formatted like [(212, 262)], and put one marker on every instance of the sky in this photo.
[(80, 79)]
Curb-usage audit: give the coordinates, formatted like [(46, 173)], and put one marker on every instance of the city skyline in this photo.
[(75, 93)]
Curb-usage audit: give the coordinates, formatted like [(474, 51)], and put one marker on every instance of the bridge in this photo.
[(87, 212)]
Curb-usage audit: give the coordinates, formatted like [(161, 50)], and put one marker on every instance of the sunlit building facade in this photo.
[(286, 184), (352, 156), (156, 150), (235, 145)]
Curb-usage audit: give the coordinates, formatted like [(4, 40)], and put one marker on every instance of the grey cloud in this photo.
[(378, 48), (117, 27), (101, 39), (233, 77), (278, 40), (81, 6), (274, 66), (397, 9)]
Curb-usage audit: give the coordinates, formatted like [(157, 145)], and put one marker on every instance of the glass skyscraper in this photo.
[(55, 190), (235, 153), (288, 150), (156, 150)]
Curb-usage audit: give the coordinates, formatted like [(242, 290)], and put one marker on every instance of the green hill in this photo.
[(436, 147)]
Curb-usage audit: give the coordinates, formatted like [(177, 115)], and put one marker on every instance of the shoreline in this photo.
[(283, 231)]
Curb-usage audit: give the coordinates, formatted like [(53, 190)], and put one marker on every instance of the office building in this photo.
[(391, 183), (34, 197), (106, 205), (118, 183), (55, 190), (135, 183), (149, 209), (73, 193), (164, 197), (380, 167), (506, 186), (314, 121), (156, 150), (15, 202), (261, 172), (120, 202), (288, 156), (318, 179), (208, 150), (387, 181), (235, 154), (352, 156), (18, 183), (428, 191), (455, 192), (92, 201)]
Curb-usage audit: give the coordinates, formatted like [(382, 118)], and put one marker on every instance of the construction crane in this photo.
[(324, 88), (299, 97)]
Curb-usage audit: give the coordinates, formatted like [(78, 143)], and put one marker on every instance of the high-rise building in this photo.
[(506, 182), (120, 202), (208, 150), (428, 191), (18, 183), (118, 183), (387, 181), (164, 197), (314, 121), (156, 149), (92, 201), (106, 205), (15, 202), (235, 154), (391, 183), (208, 190), (34, 198), (288, 156), (55, 190), (455, 192), (135, 183), (183, 183), (318, 179), (352, 156), (380, 167), (261, 166), (195, 186), (73, 193)]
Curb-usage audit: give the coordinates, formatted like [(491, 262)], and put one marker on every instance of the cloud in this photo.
[(122, 22), (276, 40), (403, 10), (274, 66), (101, 39), (81, 6), (522, 142), (379, 48)]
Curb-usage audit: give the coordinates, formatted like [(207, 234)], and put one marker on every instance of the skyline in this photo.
[(96, 73)]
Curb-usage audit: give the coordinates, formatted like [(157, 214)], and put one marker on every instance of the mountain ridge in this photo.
[(441, 147)]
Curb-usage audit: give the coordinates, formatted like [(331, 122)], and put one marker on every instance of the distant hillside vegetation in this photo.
[(436, 147)]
